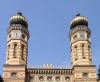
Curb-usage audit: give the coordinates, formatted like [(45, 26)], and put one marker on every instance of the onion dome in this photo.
[(19, 19), (78, 20)]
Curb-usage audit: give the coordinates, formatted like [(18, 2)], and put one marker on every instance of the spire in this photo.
[(78, 14), (19, 13)]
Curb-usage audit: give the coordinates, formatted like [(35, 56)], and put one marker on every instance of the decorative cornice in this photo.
[(17, 39), (14, 65), (80, 40), (50, 71), (18, 27), (79, 28), (84, 66), (49, 66)]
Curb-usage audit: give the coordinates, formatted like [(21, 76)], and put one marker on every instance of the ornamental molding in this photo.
[(49, 71), (17, 27), (81, 40), (47, 66), (79, 28)]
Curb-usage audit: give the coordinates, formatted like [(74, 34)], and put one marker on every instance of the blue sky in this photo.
[(49, 26)]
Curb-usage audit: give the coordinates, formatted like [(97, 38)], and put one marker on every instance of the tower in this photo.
[(80, 45), (17, 49), (80, 41), (16, 70)]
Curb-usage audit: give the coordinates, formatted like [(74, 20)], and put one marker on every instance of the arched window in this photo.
[(8, 52), (89, 51), (31, 78), (8, 55), (8, 46), (85, 75), (15, 51), (23, 52), (83, 55), (83, 49), (75, 37), (76, 53), (9, 35)]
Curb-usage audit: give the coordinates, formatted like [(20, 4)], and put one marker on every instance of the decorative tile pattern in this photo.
[(14, 68), (92, 75), (21, 74), (5, 75), (77, 75)]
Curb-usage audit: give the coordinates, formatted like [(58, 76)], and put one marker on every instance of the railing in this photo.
[(51, 67)]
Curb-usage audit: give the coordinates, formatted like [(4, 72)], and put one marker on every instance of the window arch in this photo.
[(76, 53), (85, 75), (22, 48), (9, 35), (15, 51), (89, 51), (75, 37), (83, 49), (7, 55), (31, 78), (83, 52), (8, 48)]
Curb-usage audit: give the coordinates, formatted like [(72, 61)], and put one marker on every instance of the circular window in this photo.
[(75, 37), (41, 78), (49, 78), (23, 36), (9, 35), (9, 46), (57, 78), (13, 74), (31, 78), (85, 75), (67, 78)]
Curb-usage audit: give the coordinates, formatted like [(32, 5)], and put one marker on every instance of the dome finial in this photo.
[(19, 13), (78, 14)]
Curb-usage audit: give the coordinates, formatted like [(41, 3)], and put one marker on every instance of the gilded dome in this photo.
[(78, 20), (19, 19)]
